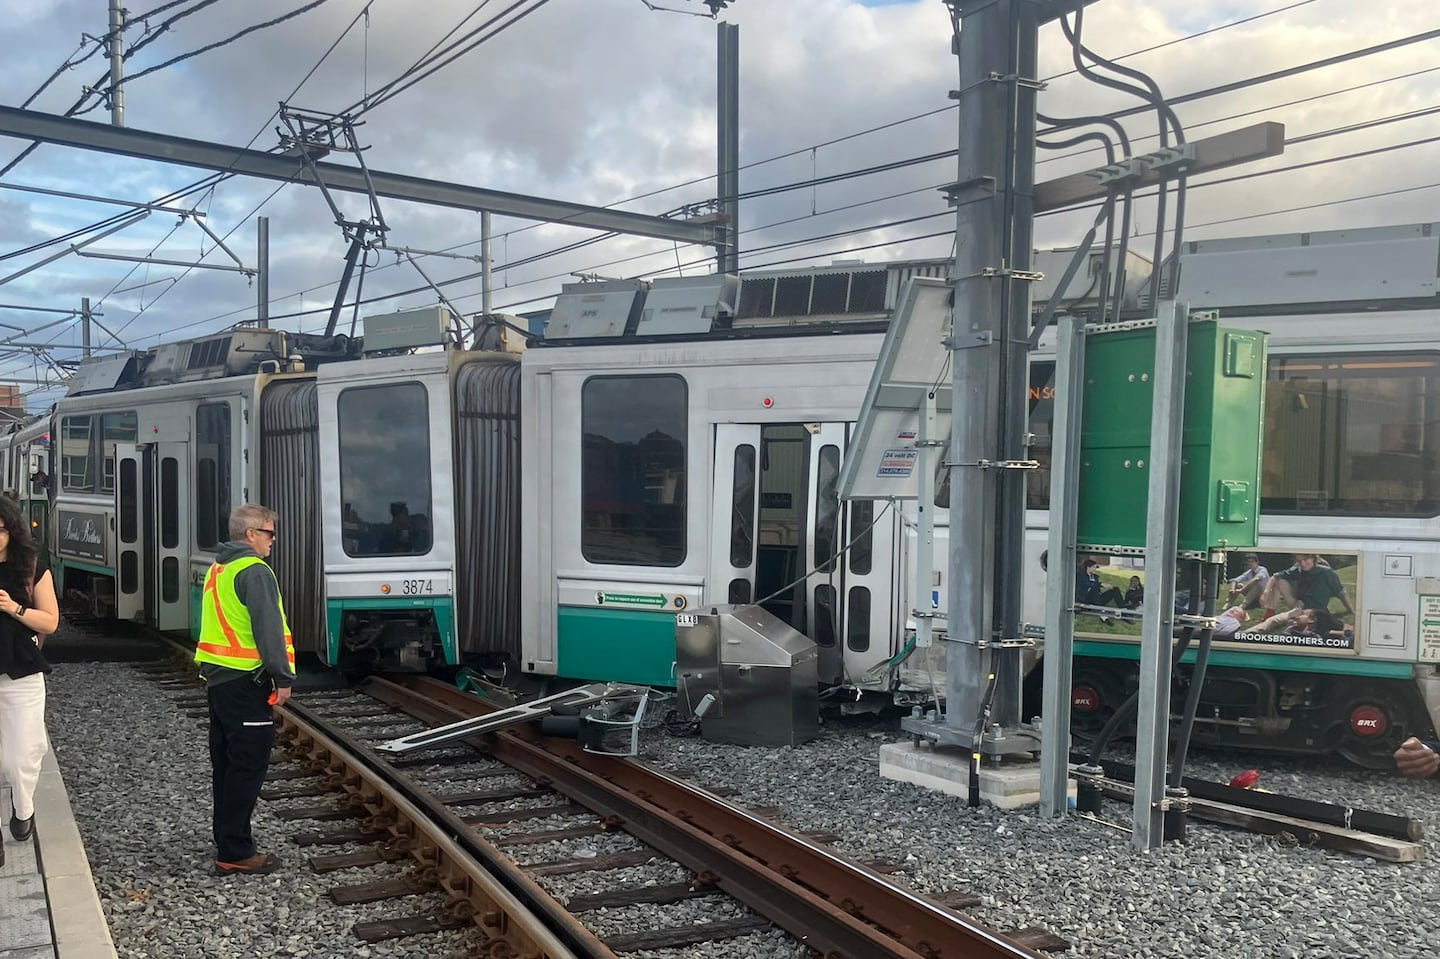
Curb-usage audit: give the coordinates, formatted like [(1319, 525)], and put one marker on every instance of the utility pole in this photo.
[(117, 64), (994, 200), (85, 327), (485, 284), (262, 272), (727, 160)]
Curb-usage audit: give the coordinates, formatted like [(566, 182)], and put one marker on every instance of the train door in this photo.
[(737, 500), (170, 496), (130, 529), (776, 518)]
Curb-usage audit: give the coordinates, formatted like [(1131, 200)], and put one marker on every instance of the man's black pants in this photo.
[(242, 733)]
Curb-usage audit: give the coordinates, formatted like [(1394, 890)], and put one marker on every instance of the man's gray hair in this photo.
[(249, 516)]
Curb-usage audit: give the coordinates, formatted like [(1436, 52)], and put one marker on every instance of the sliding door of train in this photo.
[(131, 522), (152, 495), (777, 518)]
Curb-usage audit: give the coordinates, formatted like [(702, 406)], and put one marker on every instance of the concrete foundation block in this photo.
[(1009, 786)]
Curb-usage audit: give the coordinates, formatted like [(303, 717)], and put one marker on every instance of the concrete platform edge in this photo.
[(76, 916)]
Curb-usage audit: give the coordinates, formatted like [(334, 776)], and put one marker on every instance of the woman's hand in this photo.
[(7, 605)]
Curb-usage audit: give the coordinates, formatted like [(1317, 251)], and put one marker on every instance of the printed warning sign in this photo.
[(1430, 629), (897, 463)]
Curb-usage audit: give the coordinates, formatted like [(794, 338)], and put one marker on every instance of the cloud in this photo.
[(595, 102)]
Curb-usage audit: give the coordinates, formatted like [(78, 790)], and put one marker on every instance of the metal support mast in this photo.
[(85, 317), (727, 160), (117, 63), (262, 271), (994, 198)]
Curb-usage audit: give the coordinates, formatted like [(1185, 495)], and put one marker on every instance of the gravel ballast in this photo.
[(139, 780)]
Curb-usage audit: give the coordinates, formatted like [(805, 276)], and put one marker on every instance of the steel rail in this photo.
[(502, 901), (833, 904)]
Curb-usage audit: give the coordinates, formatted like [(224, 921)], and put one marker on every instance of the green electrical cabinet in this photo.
[(1220, 451)]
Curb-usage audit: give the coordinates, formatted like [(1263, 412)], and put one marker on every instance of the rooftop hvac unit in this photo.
[(407, 330), (596, 310), (689, 305)]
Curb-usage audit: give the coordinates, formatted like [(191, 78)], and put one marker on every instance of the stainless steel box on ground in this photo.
[(763, 674)]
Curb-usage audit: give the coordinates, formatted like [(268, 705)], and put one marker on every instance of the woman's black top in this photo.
[(19, 655)]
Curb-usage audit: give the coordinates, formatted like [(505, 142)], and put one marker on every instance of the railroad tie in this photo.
[(550, 835), (337, 837), (321, 813), (497, 795), (1037, 937), (349, 860), (376, 891), (383, 929), (565, 867), (678, 936), (515, 815), (638, 895)]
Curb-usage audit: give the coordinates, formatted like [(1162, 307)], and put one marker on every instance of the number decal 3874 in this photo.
[(417, 587)]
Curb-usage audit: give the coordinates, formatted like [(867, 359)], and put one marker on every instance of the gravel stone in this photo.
[(139, 781)]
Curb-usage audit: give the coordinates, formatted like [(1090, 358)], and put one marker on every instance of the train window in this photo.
[(862, 521), (632, 470), (1355, 433), (385, 469), (170, 580), (742, 509), (827, 508), (212, 474), (857, 620), (169, 511), (1042, 413), (77, 465), (115, 428), (825, 613)]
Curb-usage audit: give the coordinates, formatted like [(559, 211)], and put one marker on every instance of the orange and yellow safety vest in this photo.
[(226, 637)]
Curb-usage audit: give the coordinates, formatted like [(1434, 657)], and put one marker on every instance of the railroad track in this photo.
[(549, 851)]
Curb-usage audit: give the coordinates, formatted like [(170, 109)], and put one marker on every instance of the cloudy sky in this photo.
[(602, 101)]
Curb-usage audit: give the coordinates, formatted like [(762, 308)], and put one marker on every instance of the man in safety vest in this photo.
[(247, 659)]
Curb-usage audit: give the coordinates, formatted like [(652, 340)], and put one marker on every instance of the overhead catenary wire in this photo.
[(947, 108), (1190, 97), (225, 42), (1183, 98), (873, 227), (1348, 128)]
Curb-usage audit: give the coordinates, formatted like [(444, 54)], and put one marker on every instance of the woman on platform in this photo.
[(29, 612)]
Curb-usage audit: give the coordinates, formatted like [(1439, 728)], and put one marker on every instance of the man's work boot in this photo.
[(257, 865)]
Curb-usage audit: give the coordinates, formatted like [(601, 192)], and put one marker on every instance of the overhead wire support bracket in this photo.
[(993, 76), (311, 136), (1180, 157), (982, 188)]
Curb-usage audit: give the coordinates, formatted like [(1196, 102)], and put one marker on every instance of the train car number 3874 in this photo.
[(417, 587)]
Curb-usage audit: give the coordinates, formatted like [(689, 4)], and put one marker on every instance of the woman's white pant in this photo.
[(23, 743)]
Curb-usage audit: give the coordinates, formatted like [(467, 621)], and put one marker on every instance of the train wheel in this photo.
[(1374, 726), (1094, 697)]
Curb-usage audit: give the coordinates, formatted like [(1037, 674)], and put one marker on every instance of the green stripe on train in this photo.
[(442, 607), (617, 645), (1338, 665)]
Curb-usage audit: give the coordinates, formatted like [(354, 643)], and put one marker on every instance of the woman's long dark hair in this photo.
[(21, 551)]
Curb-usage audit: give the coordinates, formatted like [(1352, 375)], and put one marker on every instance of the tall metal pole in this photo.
[(1152, 724), (85, 327), (994, 197), (485, 283), (262, 272), (117, 64), (1060, 569), (727, 159)]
